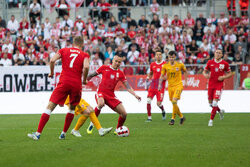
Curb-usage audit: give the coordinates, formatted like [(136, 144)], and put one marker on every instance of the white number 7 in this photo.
[(72, 61)]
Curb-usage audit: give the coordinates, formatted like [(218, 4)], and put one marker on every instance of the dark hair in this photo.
[(171, 53), (119, 55)]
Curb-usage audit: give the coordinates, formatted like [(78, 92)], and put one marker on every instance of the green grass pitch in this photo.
[(153, 144)]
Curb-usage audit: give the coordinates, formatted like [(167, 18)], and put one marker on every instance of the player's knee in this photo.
[(149, 100), (86, 113), (174, 101), (215, 103), (124, 114), (159, 104), (101, 105)]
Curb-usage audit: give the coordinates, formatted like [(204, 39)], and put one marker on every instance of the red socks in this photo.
[(97, 111), (213, 113), (43, 120), (149, 109), (68, 119), (120, 121)]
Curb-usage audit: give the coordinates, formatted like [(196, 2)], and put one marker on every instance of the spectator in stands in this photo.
[(128, 70), (189, 21), (234, 21), (105, 7), (109, 53), (225, 57), (185, 38), (230, 36), (143, 22), (2, 22), (198, 33), (5, 61), (154, 8), (243, 53), (192, 49), (94, 7), (124, 24), (241, 43), (182, 55), (112, 23), (100, 54), (131, 22), (244, 5), (210, 27), (24, 25), (96, 60), (124, 12), (176, 22), (202, 20), (13, 27), (9, 46), (133, 44), (169, 45), (237, 59), (156, 21), (62, 8), (67, 22), (35, 9), (120, 52), (229, 49), (203, 56), (18, 58), (206, 46), (133, 55), (166, 19), (212, 19), (246, 82), (223, 20), (79, 23)]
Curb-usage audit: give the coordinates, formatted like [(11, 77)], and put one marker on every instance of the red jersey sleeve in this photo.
[(100, 70), (208, 66), (61, 51), (122, 78)]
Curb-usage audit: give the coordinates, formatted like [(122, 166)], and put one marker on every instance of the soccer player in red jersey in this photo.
[(75, 63), (216, 70), (111, 75), (152, 86)]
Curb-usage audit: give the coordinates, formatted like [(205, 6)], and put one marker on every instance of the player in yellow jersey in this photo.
[(85, 110), (172, 71)]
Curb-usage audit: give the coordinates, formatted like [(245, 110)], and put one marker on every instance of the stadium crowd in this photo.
[(32, 42)]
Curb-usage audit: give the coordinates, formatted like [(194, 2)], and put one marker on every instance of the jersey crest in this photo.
[(112, 76), (221, 67)]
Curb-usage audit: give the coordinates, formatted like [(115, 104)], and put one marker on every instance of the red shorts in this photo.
[(214, 93), (110, 100), (62, 90), (159, 94)]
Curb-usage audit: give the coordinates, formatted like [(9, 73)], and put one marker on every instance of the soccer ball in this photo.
[(122, 131)]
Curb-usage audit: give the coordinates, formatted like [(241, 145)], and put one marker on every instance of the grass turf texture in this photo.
[(227, 143)]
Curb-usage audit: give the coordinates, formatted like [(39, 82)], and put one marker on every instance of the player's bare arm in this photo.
[(90, 76), (52, 64), (226, 76), (163, 77), (85, 70), (185, 77), (150, 75), (206, 74), (131, 90)]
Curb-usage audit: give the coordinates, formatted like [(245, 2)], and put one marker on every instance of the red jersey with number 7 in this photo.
[(72, 65), (110, 78), (216, 69)]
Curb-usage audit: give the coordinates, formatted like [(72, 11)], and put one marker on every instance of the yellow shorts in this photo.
[(175, 92), (80, 107)]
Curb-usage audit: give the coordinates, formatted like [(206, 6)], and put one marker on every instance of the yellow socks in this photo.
[(176, 110), (95, 120), (80, 122)]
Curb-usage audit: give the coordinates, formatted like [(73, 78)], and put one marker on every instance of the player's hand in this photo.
[(147, 83), (207, 76), (51, 75), (85, 82), (138, 98), (221, 78)]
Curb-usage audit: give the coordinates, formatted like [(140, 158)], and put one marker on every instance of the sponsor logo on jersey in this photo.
[(216, 69), (117, 75), (177, 69)]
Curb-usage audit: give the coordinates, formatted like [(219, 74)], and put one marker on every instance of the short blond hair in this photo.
[(78, 41)]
